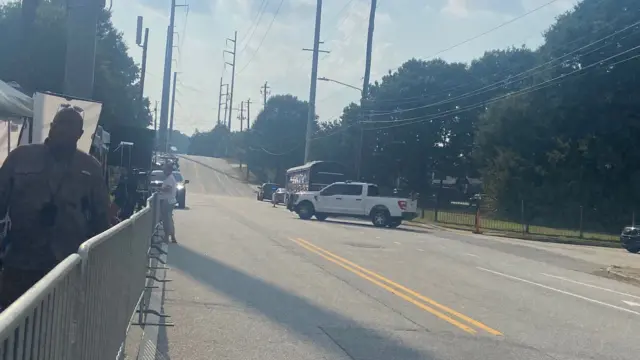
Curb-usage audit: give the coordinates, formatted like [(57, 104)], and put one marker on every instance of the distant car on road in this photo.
[(266, 190), (280, 195), (155, 183), (630, 239)]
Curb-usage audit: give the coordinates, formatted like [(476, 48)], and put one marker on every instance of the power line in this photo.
[(264, 37), (493, 29), (413, 99), (254, 26), (524, 91), (342, 20), (517, 77)]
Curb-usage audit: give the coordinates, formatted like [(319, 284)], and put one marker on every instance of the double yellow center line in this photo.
[(445, 313)]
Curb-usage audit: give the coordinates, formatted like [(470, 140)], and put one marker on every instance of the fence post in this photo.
[(477, 221), (422, 213), (581, 221), (437, 201), (524, 226)]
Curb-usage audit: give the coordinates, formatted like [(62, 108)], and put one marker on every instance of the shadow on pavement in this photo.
[(292, 311), (346, 222)]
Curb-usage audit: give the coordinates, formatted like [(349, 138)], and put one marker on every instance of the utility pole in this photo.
[(143, 70), (248, 114), (219, 100), (241, 116), (29, 8), (155, 118), (166, 79), (173, 106), (365, 86), (248, 125), (226, 104), (314, 80), (82, 22), (264, 90), (233, 72), (143, 44)]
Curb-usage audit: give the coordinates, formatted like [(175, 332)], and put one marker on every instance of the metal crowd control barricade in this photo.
[(82, 309), (40, 325)]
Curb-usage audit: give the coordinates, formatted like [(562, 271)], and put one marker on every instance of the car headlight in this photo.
[(179, 186)]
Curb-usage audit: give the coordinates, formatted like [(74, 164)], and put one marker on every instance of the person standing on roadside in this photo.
[(56, 198), (168, 201)]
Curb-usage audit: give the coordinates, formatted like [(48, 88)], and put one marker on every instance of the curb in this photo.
[(554, 240)]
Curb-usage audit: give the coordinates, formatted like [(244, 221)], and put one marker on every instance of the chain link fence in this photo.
[(570, 222)]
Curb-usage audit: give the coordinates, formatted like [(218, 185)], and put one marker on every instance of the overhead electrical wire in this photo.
[(254, 26), (514, 78), (527, 90), (487, 32), (493, 29), (275, 15), (342, 20), (543, 85)]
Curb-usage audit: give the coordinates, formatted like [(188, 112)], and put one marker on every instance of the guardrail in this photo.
[(83, 307)]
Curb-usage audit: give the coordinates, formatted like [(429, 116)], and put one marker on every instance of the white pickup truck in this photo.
[(356, 200)]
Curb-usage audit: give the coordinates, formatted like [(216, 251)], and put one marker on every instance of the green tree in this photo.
[(214, 143), (116, 75), (572, 142), (276, 140)]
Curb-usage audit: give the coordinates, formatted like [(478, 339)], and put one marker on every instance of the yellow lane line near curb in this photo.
[(399, 290)]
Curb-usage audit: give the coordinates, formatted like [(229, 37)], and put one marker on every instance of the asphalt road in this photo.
[(254, 282)]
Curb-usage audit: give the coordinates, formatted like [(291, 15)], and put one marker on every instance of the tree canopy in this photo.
[(116, 74)]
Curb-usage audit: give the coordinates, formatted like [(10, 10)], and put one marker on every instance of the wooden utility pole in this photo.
[(173, 109), (241, 116), (265, 92), (233, 73), (166, 80), (226, 104), (314, 80), (144, 45), (365, 87), (220, 100), (248, 114)]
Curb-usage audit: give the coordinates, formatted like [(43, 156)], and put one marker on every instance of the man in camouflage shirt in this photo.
[(56, 198)]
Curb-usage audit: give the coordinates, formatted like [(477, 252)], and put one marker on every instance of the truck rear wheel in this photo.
[(305, 210), (380, 217)]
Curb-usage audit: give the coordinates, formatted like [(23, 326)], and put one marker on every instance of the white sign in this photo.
[(46, 106)]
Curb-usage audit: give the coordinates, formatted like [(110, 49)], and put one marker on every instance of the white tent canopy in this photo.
[(14, 103)]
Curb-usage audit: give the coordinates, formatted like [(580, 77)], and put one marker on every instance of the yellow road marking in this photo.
[(360, 270), (391, 290)]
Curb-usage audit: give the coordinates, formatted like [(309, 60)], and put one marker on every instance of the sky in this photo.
[(270, 42)]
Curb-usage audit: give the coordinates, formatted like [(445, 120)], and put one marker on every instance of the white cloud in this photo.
[(456, 8)]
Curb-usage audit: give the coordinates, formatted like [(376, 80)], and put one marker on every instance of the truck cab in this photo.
[(356, 200)]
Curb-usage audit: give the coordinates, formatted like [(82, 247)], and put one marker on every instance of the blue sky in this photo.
[(404, 29)]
